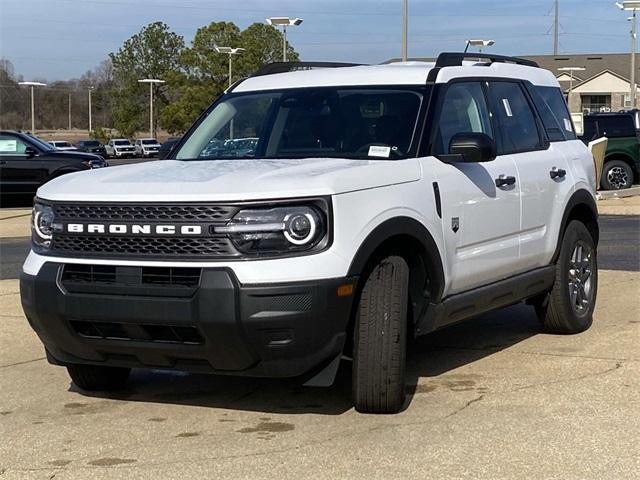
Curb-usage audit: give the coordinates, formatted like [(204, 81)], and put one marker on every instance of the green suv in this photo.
[(622, 159)]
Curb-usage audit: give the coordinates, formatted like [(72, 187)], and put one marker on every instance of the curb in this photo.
[(627, 192)]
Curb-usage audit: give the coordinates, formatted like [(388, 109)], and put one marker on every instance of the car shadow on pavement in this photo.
[(430, 356)]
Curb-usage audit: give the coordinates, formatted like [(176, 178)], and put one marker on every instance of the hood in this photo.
[(228, 180), (71, 155)]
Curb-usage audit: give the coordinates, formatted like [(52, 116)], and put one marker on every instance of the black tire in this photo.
[(558, 311), (616, 175), (380, 339), (98, 378)]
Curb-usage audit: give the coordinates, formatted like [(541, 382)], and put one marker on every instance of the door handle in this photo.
[(557, 173), (505, 181)]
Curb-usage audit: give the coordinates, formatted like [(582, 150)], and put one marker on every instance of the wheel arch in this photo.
[(406, 237), (581, 206)]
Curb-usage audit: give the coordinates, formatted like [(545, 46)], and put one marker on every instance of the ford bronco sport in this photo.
[(373, 204), (622, 158)]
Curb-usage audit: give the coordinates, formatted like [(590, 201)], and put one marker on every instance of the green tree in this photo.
[(154, 52), (204, 73)]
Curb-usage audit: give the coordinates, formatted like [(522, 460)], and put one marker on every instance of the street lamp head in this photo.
[(33, 84), (151, 80), (284, 21), (229, 50), (478, 42), (629, 5)]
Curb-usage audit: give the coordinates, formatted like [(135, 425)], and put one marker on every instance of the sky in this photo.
[(62, 39)]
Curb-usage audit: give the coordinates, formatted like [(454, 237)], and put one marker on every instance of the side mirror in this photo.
[(30, 152), (473, 147)]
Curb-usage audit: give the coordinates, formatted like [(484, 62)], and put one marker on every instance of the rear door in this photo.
[(19, 172), (481, 221), (545, 178)]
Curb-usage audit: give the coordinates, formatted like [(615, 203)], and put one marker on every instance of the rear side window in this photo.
[(554, 99), (616, 126), (518, 130)]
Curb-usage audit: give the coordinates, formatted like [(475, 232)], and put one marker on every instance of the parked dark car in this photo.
[(26, 162), (622, 158), (167, 147), (91, 146)]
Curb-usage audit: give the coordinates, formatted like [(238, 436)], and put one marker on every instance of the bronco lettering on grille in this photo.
[(134, 229)]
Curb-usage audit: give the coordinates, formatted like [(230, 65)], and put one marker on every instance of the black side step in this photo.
[(462, 306)]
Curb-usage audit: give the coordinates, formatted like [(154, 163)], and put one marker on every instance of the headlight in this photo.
[(277, 230), (42, 226)]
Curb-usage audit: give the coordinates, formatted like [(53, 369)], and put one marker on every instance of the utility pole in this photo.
[(556, 28), (405, 29), (633, 6), (69, 110), (90, 129), (633, 58)]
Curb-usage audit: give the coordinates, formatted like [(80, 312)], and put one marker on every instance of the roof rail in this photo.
[(283, 67), (454, 59)]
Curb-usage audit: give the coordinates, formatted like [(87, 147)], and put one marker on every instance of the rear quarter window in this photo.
[(554, 100), (616, 126)]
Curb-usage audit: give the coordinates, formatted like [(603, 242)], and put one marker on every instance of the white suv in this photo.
[(147, 147), (119, 147), (378, 203)]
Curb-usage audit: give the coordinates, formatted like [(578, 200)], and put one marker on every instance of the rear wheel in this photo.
[(380, 339), (568, 308), (98, 378), (616, 175)]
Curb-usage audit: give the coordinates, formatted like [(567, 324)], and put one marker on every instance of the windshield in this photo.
[(62, 144), (121, 142), (150, 141), (375, 123), (41, 144), (91, 144)]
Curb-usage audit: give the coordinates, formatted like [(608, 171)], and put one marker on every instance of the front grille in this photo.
[(143, 246), (80, 274), (184, 334), (147, 213)]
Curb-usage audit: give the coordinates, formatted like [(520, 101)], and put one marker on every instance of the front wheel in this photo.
[(568, 307), (380, 339), (616, 175)]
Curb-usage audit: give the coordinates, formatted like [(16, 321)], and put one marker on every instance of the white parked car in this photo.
[(147, 147), (62, 145), (119, 147), (378, 203)]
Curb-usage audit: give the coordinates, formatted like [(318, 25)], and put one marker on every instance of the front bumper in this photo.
[(215, 325)]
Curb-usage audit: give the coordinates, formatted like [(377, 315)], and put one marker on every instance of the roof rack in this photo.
[(453, 59), (283, 67)]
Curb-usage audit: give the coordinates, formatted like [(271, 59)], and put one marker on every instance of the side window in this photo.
[(552, 124), (518, 130), (558, 105), (464, 110), (617, 126), (11, 145)]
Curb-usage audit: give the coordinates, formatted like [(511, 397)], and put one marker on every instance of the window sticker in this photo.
[(567, 125), (379, 151), (507, 107), (9, 146)]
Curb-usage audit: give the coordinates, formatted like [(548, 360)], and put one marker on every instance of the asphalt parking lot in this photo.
[(490, 398)]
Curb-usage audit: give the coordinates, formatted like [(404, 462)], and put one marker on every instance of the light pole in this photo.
[(33, 108), (89, 88), (570, 70), (478, 42), (405, 29), (284, 22), (69, 110), (229, 51), (633, 6), (151, 82)]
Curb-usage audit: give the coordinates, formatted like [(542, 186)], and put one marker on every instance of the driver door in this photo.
[(481, 221)]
